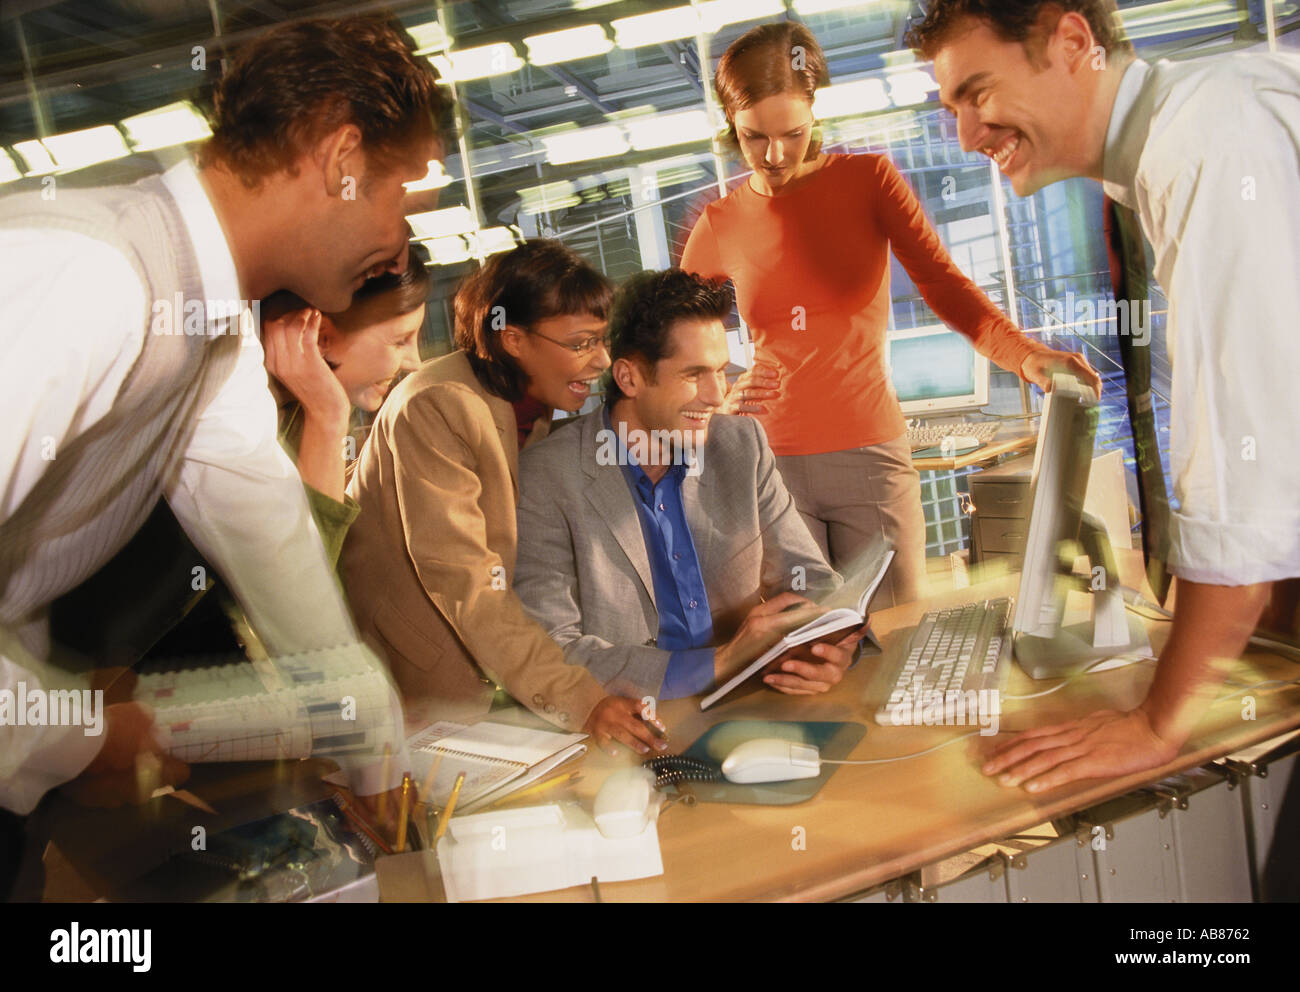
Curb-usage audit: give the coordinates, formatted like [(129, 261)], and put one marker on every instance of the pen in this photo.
[(451, 805), (403, 811), (656, 727)]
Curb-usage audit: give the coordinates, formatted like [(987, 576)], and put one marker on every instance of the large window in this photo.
[(591, 121)]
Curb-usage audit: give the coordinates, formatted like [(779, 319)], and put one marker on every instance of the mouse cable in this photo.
[(1133, 598), (1067, 679), (901, 757)]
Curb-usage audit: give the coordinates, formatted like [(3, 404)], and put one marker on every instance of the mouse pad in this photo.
[(936, 451), (834, 740)]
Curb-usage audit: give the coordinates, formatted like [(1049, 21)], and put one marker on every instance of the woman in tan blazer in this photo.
[(429, 562)]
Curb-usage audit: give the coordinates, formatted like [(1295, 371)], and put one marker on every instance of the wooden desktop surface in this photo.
[(873, 823), (1008, 441), (868, 824)]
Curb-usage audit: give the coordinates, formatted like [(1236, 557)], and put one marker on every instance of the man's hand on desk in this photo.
[(130, 766), (1100, 745), (806, 672), (1039, 367), (1211, 626)]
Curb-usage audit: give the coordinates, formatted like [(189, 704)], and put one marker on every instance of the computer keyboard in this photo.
[(932, 435), (332, 702), (953, 652)]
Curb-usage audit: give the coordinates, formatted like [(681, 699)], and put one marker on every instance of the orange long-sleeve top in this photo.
[(811, 271)]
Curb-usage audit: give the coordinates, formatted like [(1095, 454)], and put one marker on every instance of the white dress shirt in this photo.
[(1208, 153), (73, 316)]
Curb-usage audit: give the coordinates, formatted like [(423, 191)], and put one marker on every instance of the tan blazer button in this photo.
[(564, 717), (550, 707), (651, 643), (538, 699)]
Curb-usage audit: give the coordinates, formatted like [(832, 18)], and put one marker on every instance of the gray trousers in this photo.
[(850, 498)]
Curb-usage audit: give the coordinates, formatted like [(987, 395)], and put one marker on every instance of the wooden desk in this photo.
[(1008, 442), (873, 823)]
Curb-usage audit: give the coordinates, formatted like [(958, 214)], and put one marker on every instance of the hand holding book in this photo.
[(807, 669), (762, 628), (776, 638)]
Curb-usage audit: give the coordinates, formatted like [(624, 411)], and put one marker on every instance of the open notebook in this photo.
[(830, 626), (497, 759)]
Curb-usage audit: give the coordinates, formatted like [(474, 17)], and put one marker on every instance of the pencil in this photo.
[(403, 811), (451, 806), (426, 790), (381, 808), (537, 787)]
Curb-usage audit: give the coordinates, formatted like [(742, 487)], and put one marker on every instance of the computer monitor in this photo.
[(1058, 525), (935, 370)]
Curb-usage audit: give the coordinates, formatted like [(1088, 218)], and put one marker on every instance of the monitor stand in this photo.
[(1113, 632)]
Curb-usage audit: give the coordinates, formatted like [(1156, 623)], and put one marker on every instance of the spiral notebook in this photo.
[(496, 758)]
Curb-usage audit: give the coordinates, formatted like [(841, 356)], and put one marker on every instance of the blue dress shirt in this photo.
[(685, 623)]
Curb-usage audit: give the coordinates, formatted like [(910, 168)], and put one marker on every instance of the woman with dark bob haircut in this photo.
[(429, 563), (806, 241)]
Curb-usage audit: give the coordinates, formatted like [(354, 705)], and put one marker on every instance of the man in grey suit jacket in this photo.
[(657, 543)]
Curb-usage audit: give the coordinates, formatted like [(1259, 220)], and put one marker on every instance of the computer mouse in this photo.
[(625, 803), (959, 443), (770, 759)]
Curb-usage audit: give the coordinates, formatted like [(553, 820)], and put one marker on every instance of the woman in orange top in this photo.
[(806, 242)]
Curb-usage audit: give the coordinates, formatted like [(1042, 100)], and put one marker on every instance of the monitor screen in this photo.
[(934, 370)]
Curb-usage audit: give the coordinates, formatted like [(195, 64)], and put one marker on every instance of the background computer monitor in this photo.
[(1058, 527), (935, 370)]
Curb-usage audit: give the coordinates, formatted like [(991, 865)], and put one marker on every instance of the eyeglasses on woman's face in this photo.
[(581, 348)]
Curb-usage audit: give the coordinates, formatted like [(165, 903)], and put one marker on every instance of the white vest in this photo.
[(103, 485)]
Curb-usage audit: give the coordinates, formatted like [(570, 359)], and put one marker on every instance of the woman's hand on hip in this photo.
[(755, 385)]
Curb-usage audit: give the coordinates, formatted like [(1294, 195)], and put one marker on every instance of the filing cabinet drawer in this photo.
[(1000, 499), (1002, 535)]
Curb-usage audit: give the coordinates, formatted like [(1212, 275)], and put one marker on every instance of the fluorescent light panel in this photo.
[(585, 143), (435, 178), (664, 130), (686, 22), (9, 170), (806, 7), (549, 196), (653, 29), (39, 161), (910, 86), (442, 223), (174, 124), (428, 37), (717, 14), (499, 59), (448, 251), (492, 240), (78, 149), (568, 45), (862, 96)]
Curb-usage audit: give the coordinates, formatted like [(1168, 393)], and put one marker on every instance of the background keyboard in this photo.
[(932, 435)]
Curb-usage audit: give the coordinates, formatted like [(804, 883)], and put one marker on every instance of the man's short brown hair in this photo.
[(301, 81), (1013, 20)]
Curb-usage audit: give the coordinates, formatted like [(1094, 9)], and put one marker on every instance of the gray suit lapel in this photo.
[(609, 495)]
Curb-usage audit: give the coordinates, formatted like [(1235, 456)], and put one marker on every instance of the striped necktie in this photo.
[(1128, 273)]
